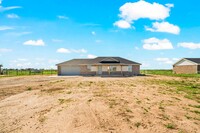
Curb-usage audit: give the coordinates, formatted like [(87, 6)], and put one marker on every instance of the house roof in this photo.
[(99, 61), (193, 60)]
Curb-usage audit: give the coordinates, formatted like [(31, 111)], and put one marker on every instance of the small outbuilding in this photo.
[(101, 66), (187, 66)]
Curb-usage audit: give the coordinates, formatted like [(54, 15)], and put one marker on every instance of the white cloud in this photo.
[(63, 50), (39, 59), (12, 16), (35, 43), (79, 51), (93, 33), (62, 17), (2, 9), (142, 9), (68, 51), (22, 59), (91, 56), (137, 48), (169, 5), (5, 50), (24, 65), (167, 60), (18, 33), (175, 59), (145, 64), (189, 45), (6, 28), (114, 31), (98, 41), (57, 40), (164, 27), (122, 24), (156, 44), (33, 63)]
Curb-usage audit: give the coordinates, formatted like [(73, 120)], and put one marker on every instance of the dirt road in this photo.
[(45, 104)]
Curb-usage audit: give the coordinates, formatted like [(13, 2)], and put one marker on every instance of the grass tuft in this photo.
[(170, 126), (29, 89), (62, 101), (137, 124), (196, 111)]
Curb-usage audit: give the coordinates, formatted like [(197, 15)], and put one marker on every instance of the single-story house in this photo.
[(101, 66), (187, 66)]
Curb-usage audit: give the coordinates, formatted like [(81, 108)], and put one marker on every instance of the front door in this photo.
[(99, 70)]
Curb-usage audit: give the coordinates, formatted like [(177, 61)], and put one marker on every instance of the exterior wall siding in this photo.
[(185, 63), (136, 69), (59, 70), (187, 69), (87, 72)]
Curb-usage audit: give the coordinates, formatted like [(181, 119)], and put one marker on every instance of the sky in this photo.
[(42, 33)]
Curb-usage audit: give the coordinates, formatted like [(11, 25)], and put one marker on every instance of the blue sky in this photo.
[(156, 33)]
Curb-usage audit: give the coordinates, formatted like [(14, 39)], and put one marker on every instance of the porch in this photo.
[(113, 70)]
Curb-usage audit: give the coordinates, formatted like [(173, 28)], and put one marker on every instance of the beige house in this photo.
[(102, 66), (187, 66)]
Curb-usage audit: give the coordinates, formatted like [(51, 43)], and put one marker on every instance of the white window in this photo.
[(124, 68), (113, 68), (89, 67), (93, 68), (130, 68)]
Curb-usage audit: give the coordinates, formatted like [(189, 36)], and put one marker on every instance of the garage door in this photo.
[(70, 70)]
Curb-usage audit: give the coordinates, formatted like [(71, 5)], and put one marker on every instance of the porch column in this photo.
[(97, 70), (121, 69), (109, 70)]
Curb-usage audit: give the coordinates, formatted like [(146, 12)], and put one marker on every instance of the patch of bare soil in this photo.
[(94, 104)]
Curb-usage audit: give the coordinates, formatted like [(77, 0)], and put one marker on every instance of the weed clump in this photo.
[(29, 89), (170, 126), (137, 124)]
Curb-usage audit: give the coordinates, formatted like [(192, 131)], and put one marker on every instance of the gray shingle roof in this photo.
[(99, 60), (196, 60)]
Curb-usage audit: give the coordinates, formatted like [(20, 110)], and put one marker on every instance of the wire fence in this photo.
[(18, 72)]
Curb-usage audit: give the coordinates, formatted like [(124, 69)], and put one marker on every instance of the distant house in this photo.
[(108, 66), (187, 66)]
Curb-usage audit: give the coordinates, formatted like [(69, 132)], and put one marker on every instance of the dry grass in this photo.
[(94, 104)]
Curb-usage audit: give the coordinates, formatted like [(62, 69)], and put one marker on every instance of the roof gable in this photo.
[(195, 60), (109, 60), (188, 61)]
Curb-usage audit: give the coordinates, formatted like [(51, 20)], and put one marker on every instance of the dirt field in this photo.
[(150, 104)]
